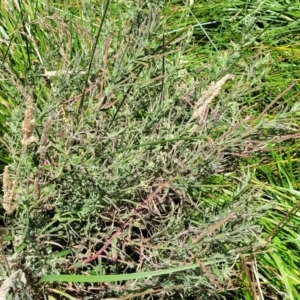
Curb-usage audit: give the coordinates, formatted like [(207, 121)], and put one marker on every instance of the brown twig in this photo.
[(214, 227), (207, 272)]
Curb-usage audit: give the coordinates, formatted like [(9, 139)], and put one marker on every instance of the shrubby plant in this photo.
[(124, 161)]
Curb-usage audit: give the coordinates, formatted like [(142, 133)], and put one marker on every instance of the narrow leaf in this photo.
[(110, 278)]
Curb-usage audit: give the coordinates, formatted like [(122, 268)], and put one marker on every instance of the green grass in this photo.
[(280, 180), (123, 179)]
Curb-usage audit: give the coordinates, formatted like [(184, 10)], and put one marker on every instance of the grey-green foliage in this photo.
[(113, 124)]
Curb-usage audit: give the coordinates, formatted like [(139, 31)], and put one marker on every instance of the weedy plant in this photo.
[(125, 162)]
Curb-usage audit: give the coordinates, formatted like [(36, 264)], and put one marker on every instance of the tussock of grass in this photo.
[(127, 171)]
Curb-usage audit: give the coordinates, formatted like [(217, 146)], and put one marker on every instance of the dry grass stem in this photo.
[(28, 123), (8, 204), (49, 74), (36, 189), (8, 283), (45, 134), (213, 90)]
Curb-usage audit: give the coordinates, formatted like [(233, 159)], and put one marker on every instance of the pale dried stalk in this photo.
[(8, 194), (8, 283), (36, 189), (50, 74), (45, 135), (44, 144), (28, 123), (201, 107)]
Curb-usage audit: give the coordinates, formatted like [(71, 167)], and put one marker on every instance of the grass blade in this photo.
[(110, 278)]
